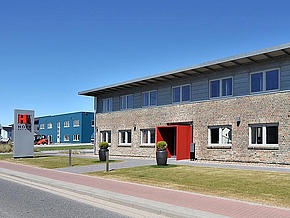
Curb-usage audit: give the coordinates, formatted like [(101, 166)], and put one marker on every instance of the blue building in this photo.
[(75, 127)]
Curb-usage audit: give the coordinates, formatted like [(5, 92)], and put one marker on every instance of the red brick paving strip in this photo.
[(215, 205)]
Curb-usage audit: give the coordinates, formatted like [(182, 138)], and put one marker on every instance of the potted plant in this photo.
[(103, 149), (161, 153)]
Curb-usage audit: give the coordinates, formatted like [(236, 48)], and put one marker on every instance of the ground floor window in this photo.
[(147, 136), (66, 138), (125, 137), (263, 134), (106, 136), (49, 138), (220, 135), (76, 137)]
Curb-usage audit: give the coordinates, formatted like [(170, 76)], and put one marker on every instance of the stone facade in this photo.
[(255, 109)]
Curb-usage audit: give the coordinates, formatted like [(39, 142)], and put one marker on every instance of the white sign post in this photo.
[(23, 133)]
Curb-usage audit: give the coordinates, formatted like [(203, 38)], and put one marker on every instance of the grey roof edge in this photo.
[(60, 114), (192, 67)]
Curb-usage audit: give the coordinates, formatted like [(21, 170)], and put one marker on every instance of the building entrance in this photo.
[(178, 138)]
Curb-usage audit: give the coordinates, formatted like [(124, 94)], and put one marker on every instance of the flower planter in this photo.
[(161, 158), (102, 154)]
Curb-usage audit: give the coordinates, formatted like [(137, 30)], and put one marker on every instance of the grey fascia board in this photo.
[(192, 67)]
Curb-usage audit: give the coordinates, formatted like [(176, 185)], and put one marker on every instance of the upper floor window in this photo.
[(107, 104), (221, 87), (41, 126), (49, 126), (66, 123), (265, 81), (76, 123), (126, 102), (150, 98), (181, 93)]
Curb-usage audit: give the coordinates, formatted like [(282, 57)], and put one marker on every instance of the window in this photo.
[(76, 137), (66, 138), (49, 126), (221, 87), (66, 123), (181, 93), (107, 105), (265, 81), (150, 98), (126, 102), (125, 137), (106, 136), (263, 134), (49, 138), (147, 136), (76, 123), (41, 126), (93, 123), (220, 135)]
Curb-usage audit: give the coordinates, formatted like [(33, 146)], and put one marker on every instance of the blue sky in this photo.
[(50, 50)]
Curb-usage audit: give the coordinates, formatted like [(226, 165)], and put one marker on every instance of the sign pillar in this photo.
[(23, 133)]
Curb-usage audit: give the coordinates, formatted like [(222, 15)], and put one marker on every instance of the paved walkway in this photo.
[(164, 201), (134, 162)]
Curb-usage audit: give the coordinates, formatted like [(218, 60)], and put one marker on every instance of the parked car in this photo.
[(40, 140)]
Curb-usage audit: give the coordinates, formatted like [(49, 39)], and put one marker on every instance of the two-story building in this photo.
[(75, 127), (232, 109)]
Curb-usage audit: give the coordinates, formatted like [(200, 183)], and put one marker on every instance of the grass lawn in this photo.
[(51, 162), (64, 148), (256, 186)]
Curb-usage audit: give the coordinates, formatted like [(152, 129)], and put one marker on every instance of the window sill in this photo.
[(220, 97), (264, 147), (147, 146), (76, 126), (218, 146), (124, 145)]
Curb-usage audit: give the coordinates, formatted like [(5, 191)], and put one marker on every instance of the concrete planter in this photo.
[(161, 158), (102, 154)]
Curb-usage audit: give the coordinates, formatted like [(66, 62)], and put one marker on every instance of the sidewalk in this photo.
[(154, 199)]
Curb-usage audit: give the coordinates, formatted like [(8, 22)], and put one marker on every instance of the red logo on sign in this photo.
[(24, 119)]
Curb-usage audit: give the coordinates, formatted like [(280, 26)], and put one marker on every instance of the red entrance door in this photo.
[(178, 138)]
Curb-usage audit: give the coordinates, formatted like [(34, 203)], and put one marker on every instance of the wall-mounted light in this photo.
[(134, 126), (238, 119), (96, 129)]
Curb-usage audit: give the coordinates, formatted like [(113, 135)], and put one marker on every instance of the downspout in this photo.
[(95, 114)]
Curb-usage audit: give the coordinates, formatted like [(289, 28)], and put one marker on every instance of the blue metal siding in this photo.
[(87, 128), (84, 130)]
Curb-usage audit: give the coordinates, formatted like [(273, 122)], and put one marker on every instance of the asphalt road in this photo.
[(18, 200)]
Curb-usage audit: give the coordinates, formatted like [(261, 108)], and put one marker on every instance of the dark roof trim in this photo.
[(237, 60)]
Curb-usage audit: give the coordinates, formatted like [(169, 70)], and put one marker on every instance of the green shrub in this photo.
[(6, 148), (161, 145), (36, 149), (104, 145)]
